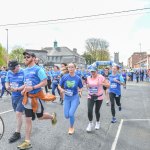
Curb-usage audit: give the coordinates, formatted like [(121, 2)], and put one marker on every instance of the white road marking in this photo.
[(117, 135), (136, 119), (6, 112)]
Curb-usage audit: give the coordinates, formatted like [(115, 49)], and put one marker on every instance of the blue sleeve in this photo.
[(6, 79), (61, 83), (121, 79), (41, 74), (80, 83)]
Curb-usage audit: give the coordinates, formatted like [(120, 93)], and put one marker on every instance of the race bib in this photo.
[(113, 85), (14, 85), (28, 82), (69, 92), (93, 90)]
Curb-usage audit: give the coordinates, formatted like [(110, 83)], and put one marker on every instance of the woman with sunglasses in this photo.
[(71, 86), (95, 85)]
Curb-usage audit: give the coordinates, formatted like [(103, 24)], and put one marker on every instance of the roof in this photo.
[(60, 51)]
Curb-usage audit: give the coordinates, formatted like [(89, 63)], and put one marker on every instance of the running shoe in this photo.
[(114, 120), (97, 125), (107, 103), (71, 131), (89, 127), (54, 120), (120, 108), (16, 136), (24, 145)]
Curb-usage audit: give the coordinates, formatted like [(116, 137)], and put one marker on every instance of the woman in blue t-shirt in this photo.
[(116, 80), (71, 86)]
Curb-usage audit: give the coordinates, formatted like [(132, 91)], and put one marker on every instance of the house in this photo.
[(56, 55)]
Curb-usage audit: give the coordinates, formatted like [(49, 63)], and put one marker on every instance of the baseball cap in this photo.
[(12, 64), (29, 53), (93, 69)]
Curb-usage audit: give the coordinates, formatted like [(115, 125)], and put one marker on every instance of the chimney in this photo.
[(55, 44), (74, 50)]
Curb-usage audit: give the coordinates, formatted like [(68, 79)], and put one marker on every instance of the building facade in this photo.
[(50, 56), (135, 58)]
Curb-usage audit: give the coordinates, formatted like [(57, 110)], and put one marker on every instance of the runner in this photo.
[(124, 75), (34, 98), (3, 76), (106, 74), (116, 80), (95, 85), (15, 83), (71, 85), (64, 70)]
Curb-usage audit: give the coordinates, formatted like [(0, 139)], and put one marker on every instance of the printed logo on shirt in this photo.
[(70, 84)]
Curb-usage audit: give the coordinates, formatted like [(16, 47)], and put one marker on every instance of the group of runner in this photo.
[(28, 96)]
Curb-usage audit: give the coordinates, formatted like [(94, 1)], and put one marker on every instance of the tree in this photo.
[(17, 54), (97, 49), (3, 56)]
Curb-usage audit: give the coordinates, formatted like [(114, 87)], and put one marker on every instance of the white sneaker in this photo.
[(97, 125), (89, 127)]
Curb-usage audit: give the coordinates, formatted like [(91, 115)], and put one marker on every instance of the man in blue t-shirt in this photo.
[(15, 83), (35, 78)]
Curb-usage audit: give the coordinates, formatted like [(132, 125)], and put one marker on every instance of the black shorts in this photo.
[(30, 113)]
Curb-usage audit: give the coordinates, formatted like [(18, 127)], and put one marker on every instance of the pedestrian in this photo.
[(137, 76), (95, 85), (55, 80), (34, 98), (64, 70), (71, 86), (106, 74), (3, 73), (116, 80), (15, 83)]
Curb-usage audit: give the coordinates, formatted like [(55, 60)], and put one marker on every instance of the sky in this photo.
[(124, 32)]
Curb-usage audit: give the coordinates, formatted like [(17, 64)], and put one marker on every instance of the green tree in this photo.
[(97, 49), (3, 56), (17, 54)]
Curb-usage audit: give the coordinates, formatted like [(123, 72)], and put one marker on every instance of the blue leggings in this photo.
[(70, 105)]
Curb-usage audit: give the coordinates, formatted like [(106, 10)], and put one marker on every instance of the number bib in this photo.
[(69, 92), (93, 90), (113, 85), (28, 82), (14, 85)]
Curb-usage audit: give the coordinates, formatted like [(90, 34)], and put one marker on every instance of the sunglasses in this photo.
[(27, 57)]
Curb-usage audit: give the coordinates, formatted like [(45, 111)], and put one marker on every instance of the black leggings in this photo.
[(114, 97), (98, 104)]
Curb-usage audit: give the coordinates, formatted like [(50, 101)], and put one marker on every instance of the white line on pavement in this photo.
[(136, 119), (117, 135), (6, 112)]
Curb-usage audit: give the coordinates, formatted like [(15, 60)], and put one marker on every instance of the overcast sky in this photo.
[(124, 32)]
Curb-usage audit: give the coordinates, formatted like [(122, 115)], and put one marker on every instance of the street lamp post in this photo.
[(7, 45)]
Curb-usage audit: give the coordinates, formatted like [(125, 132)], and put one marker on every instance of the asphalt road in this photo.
[(131, 132)]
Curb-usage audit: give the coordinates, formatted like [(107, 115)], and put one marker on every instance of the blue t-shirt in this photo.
[(16, 80), (71, 84), (3, 76), (33, 76), (79, 73), (55, 76), (114, 86)]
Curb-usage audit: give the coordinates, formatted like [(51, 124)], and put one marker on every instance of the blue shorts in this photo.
[(17, 103)]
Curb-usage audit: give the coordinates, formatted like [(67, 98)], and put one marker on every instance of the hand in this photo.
[(80, 93), (28, 88)]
